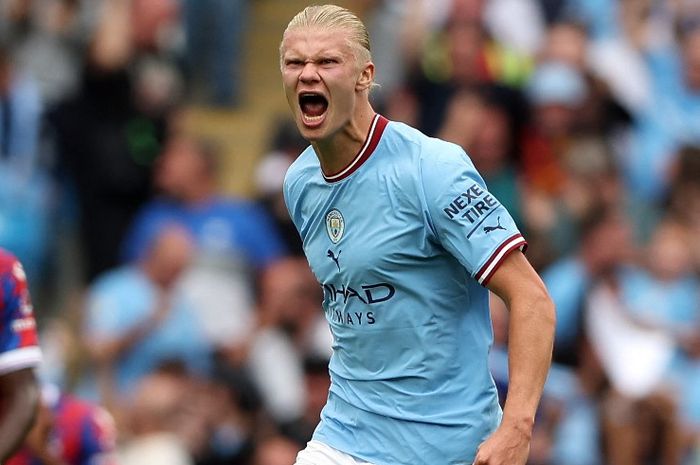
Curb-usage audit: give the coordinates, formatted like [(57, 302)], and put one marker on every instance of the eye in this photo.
[(292, 63), (329, 61)]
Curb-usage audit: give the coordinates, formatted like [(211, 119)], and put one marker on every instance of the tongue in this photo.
[(313, 108)]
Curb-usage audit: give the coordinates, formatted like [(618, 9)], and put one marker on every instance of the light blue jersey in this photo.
[(402, 241)]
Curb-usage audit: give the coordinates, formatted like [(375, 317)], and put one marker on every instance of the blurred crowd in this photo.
[(192, 317)]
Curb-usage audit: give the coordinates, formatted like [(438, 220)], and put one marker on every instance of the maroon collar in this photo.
[(376, 129)]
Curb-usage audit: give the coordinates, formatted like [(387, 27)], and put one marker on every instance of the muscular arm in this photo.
[(530, 340), (19, 396)]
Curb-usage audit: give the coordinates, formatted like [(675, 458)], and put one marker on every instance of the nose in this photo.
[(309, 73)]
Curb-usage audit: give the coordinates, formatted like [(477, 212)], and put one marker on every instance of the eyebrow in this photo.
[(292, 56)]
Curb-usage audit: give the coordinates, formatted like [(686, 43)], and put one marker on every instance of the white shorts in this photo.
[(317, 453)]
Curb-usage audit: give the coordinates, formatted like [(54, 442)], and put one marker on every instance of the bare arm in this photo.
[(530, 340), (19, 394)]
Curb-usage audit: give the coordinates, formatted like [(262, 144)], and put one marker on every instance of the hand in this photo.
[(508, 445)]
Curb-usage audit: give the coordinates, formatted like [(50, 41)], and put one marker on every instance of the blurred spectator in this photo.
[(591, 182), (605, 246), (68, 431), (50, 37), (618, 34), (290, 326), (234, 238), (486, 122), (684, 198), (566, 42), (399, 29), (231, 405), (137, 321), (463, 116), (287, 144), (21, 115), (276, 450), (639, 416), (670, 120), (662, 298), (108, 135), (157, 409), (24, 185), (317, 383), (568, 164), (609, 102), (214, 51), (155, 24), (461, 55), (517, 24), (556, 92)]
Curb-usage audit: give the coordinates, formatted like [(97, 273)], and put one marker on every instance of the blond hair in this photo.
[(333, 17)]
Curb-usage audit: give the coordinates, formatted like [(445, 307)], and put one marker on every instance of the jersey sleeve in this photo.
[(18, 338), (467, 220), (98, 438)]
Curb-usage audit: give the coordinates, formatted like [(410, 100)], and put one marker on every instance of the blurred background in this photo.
[(143, 144)]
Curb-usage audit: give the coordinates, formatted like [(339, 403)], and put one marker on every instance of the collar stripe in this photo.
[(376, 129)]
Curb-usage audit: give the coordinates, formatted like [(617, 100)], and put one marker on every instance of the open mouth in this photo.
[(313, 106)]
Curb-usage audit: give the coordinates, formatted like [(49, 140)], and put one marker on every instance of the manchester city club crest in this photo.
[(335, 225)]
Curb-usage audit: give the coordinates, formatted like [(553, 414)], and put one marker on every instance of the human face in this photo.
[(322, 80), (178, 167)]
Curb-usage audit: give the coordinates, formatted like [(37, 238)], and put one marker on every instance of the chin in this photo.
[(311, 136), (311, 133)]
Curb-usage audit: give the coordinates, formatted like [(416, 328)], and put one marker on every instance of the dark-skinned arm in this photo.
[(19, 396)]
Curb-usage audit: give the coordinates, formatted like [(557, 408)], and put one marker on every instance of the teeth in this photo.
[(313, 118)]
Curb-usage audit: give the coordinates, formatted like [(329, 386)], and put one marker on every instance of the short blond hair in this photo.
[(333, 17)]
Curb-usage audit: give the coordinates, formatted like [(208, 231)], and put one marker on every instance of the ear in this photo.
[(366, 78)]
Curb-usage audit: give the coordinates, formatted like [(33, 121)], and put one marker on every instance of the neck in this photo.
[(338, 150), (198, 193)]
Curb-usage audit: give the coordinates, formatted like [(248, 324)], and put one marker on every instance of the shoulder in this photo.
[(12, 277), (411, 151), (303, 166), (442, 164), (428, 151), (440, 155)]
